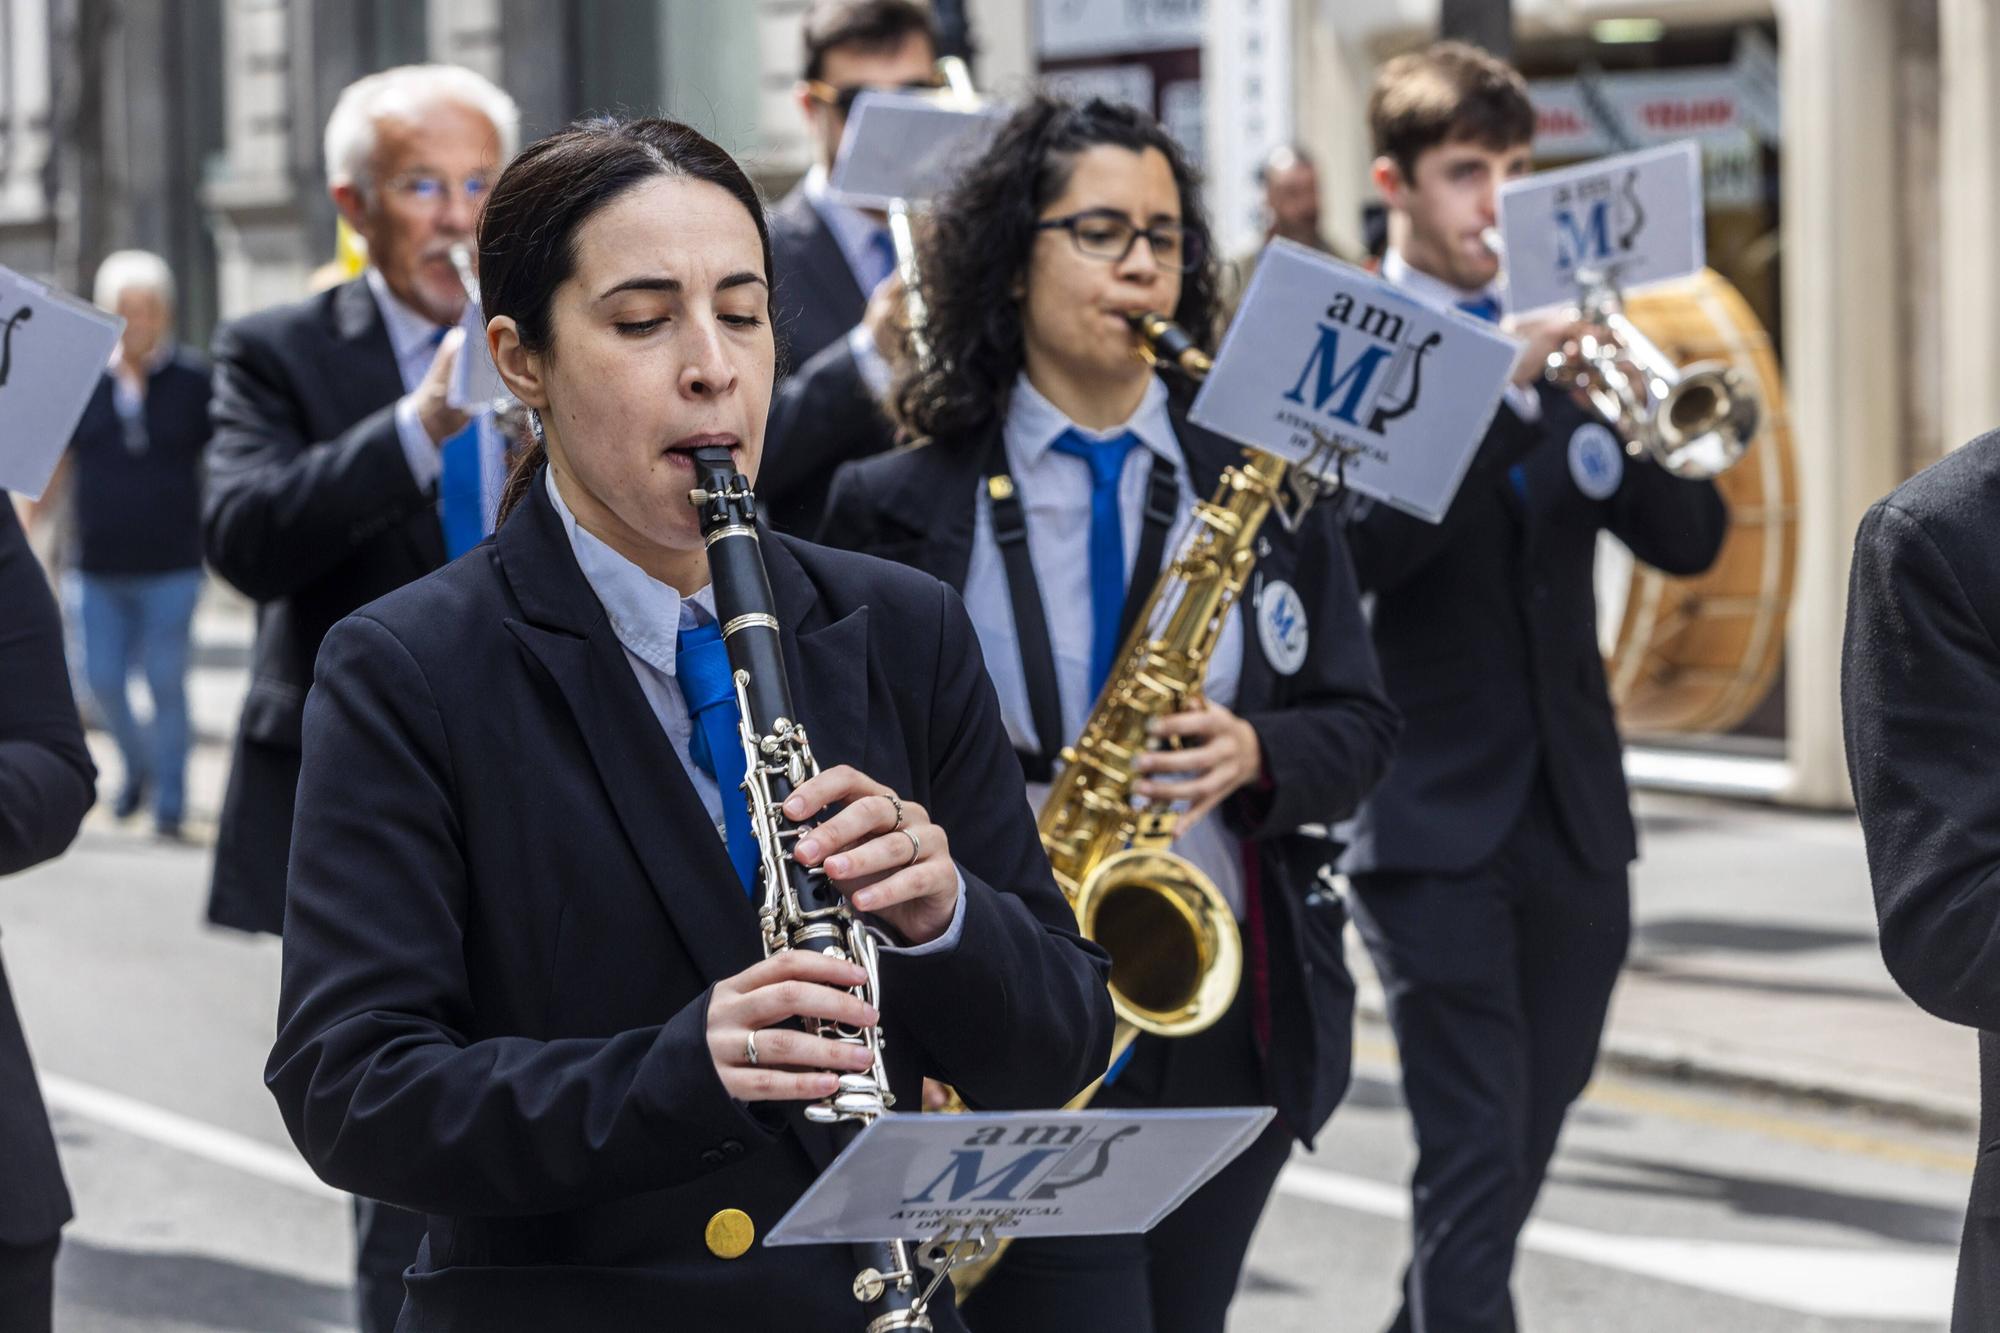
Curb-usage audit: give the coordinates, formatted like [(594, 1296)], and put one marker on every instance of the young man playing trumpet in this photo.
[(1489, 867)]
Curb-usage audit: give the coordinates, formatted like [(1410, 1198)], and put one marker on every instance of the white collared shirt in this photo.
[(413, 338), (647, 616), (1054, 490), (1438, 294)]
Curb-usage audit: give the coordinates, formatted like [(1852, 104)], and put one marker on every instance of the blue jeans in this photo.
[(145, 619)]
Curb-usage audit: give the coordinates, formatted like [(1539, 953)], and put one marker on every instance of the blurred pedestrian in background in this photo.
[(134, 465)]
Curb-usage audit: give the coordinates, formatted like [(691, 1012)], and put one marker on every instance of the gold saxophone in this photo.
[(1176, 955)]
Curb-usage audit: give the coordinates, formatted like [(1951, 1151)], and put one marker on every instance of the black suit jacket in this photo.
[(823, 413), (1486, 624), (507, 906), (311, 510), (1326, 732), (140, 513), (1920, 694), (47, 782)]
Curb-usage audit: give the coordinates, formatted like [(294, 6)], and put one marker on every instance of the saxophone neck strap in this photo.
[(1031, 623)]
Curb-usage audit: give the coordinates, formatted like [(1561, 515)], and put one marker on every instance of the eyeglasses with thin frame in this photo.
[(1104, 233), (841, 98), (430, 190)]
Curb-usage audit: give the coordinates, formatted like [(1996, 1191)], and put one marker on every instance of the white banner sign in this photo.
[(1028, 1173), (908, 147), (1635, 218), (1320, 347), (53, 351), (1066, 29)]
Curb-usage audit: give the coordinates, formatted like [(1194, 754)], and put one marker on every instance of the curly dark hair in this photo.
[(976, 249)]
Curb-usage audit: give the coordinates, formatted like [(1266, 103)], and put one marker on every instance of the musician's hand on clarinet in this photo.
[(758, 1057), (1220, 755), (440, 419), (881, 851)]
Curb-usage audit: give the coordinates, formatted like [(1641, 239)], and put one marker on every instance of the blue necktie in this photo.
[(460, 513), (1107, 542), (1485, 308), (881, 259), (701, 664)]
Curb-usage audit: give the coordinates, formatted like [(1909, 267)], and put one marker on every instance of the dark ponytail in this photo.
[(527, 235)]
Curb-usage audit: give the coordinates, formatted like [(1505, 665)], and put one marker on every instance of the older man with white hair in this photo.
[(135, 464), (340, 470)]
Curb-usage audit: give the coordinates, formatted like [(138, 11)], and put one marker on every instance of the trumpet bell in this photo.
[(1176, 955), (1705, 422)]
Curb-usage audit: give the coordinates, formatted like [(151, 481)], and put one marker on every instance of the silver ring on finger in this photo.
[(916, 845), (750, 1047), (897, 802)]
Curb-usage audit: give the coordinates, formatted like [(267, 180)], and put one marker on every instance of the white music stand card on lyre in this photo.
[(957, 1184), (1343, 375), (1626, 221), (53, 351), (905, 148)]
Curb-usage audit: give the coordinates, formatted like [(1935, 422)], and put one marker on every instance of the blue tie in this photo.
[(1107, 542), (881, 259), (1484, 307), (701, 664), (460, 513)]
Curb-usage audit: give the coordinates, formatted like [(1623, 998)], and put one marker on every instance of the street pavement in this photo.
[(1778, 1140)]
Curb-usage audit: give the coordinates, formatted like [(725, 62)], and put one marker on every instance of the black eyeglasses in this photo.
[(842, 99), (1103, 233)]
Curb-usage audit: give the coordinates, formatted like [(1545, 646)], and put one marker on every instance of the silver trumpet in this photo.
[(799, 909), (1695, 421)]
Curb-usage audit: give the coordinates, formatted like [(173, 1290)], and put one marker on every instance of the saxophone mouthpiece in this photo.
[(1163, 341)]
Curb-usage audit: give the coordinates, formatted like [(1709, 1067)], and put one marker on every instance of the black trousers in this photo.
[(1497, 984), (1181, 1276), (28, 1286), (385, 1243)]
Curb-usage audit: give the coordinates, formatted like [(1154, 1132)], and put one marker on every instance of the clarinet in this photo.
[(799, 909)]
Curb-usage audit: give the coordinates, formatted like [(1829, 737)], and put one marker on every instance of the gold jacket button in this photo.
[(729, 1234)]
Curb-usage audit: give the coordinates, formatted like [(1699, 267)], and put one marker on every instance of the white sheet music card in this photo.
[(1636, 218), (908, 147), (53, 351), (475, 381), (1028, 1173), (1320, 346)]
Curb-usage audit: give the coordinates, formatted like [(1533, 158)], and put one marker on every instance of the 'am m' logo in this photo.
[(1001, 1184), (1584, 243), (1350, 382)]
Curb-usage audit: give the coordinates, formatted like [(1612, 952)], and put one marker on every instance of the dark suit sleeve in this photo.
[(280, 509), (1920, 694), (47, 781), (1017, 1014), (822, 416), (381, 1084), (1674, 525), (1389, 547), (1329, 737)]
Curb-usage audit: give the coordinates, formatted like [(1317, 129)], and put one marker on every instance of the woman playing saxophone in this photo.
[(1058, 476)]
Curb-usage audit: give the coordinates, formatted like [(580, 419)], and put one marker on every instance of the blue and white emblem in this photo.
[(1596, 461), (1281, 627)]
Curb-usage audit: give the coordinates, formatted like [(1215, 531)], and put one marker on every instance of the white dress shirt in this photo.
[(1440, 295), (1054, 490), (855, 232), (413, 338), (647, 616)]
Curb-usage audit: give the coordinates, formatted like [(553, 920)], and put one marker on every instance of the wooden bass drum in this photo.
[(1700, 654)]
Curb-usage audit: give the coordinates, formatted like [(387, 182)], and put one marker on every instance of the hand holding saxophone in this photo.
[(881, 851), (1221, 756), (759, 1056)]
